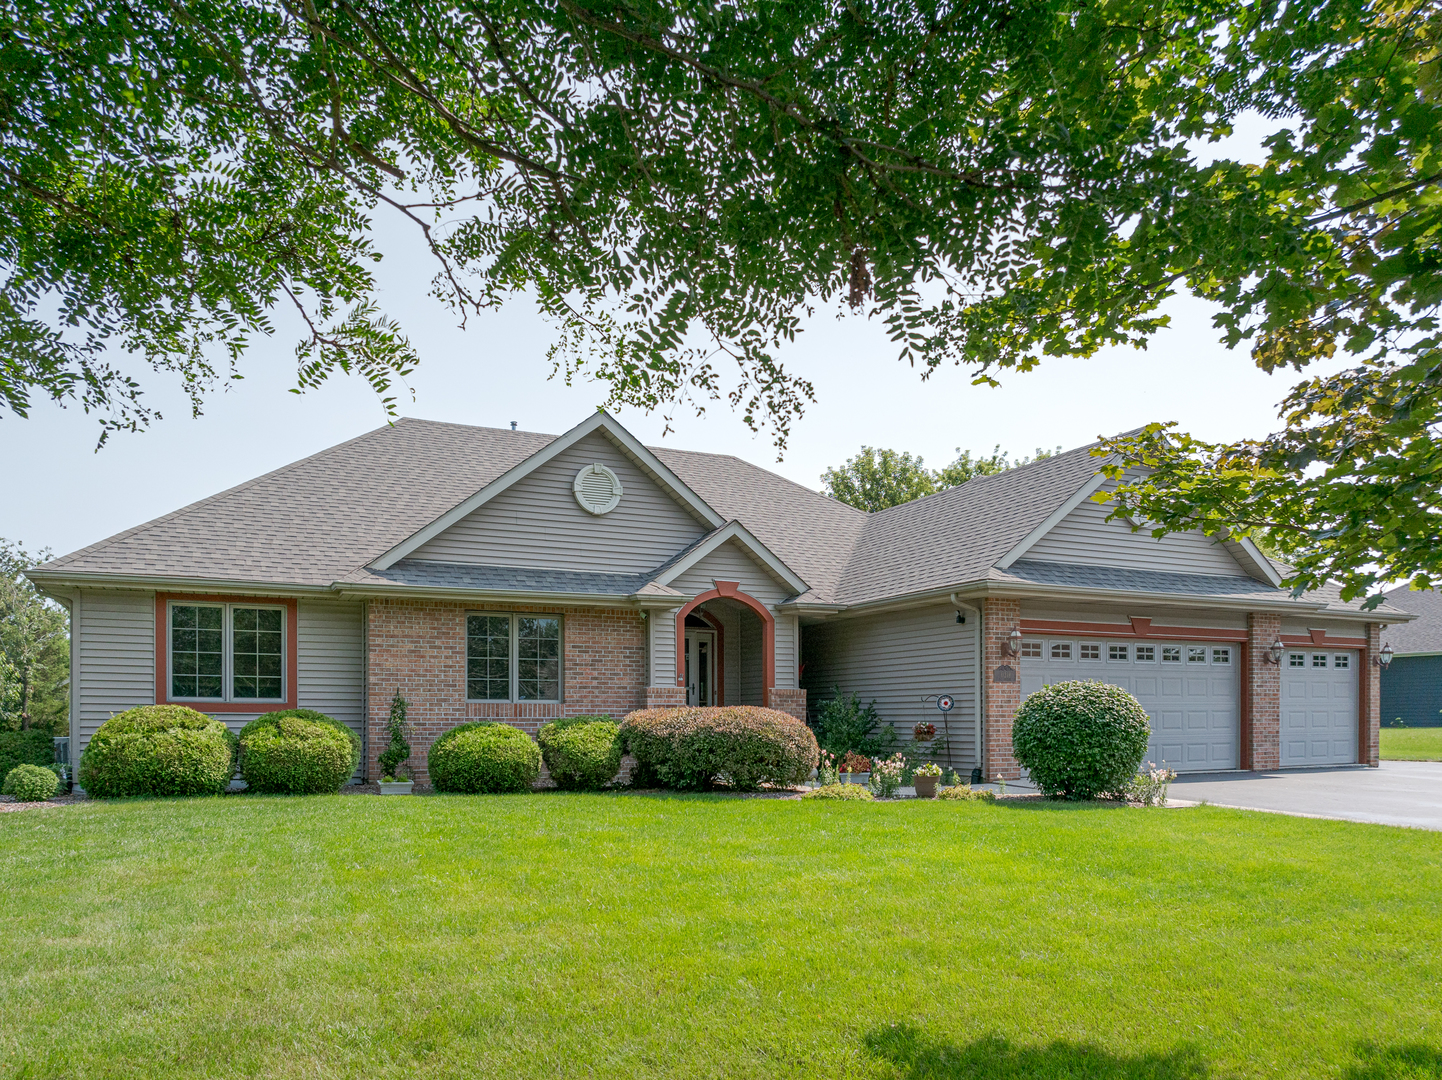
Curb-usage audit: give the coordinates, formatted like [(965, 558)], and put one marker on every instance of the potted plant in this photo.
[(854, 768), (924, 732), (924, 779), (392, 782)]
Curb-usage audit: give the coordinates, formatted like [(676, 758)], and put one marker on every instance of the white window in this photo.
[(1090, 650), (1296, 659), (513, 657), (1221, 656), (1061, 650), (1319, 659), (1031, 650), (1196, 654), (227, 652), (1341, 661), (1120, 653), (1146, 654), (1171, 654)]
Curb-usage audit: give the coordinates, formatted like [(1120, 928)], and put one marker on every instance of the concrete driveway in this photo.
[(1397, 793)]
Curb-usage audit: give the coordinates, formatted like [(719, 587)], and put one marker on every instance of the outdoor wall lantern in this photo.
[(1385, 660), (1274, 654), (1013, 642)]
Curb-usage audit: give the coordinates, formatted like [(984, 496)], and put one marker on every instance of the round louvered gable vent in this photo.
[(597, 489)]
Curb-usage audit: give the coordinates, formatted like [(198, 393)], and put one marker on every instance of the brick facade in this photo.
[(789, 699), (1370, 689), (1000, 700), (419, 648), (1262, 695), (665, 697)]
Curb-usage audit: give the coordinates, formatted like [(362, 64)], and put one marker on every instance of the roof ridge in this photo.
[(136, 530), (472, 427)]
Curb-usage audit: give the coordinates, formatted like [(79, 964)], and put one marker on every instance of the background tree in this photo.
[(875, 479), (35, 643), (678, 185), (967, 467)]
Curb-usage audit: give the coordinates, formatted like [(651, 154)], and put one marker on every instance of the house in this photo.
[(1412, 683), (505, 575)]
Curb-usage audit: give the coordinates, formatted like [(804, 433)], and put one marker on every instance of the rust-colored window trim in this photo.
[(162, 653)]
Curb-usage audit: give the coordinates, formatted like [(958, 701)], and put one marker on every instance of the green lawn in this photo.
[(646, 936), (1412, 744)]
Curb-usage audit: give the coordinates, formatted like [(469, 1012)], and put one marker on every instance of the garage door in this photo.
[(1319, 708), (1189, 689)]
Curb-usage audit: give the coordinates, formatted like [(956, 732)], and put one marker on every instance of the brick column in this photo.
[(788, 699), (1369, 686), (1262, 703), (999, 699), (665, 697)]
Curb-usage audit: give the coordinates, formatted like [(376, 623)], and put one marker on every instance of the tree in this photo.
[(677, 185), (875, 479), (35, 643)]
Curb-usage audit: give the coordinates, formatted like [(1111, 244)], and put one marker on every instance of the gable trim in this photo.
[(599, 421), (733, 530), (1250, 558), (1053, 519)]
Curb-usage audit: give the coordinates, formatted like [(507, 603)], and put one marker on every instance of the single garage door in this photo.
[(1319, 708), (1189, 689)]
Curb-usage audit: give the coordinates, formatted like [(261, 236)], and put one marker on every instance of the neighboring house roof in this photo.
[(1424, 634), (350, 516)]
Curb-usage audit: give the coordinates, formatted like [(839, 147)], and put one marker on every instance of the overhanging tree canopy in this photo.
[(676, 183)]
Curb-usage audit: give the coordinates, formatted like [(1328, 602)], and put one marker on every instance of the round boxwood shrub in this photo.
[(742, 746), (484, 757), (1079, 740), (297, 752), (158, 750), (30, 783), (29, 747), (839, 791), (582, 753)]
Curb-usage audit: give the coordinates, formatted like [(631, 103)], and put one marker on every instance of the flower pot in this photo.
[(862, 778), (398, 787), (925, 786)]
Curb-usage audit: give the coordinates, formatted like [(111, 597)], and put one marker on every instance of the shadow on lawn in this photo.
[(1410, 1062), (995, 1058)]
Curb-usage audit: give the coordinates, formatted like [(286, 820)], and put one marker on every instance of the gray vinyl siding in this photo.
[(1086, 537), (898, 659), (115, 668), (786, 635), (729, 562), (538, 523), (1412, 691), (330, 661), (663, 647)]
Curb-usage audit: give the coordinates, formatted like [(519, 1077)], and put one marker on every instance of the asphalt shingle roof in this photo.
[(416, 573), (1129, 580), (1425, 634)]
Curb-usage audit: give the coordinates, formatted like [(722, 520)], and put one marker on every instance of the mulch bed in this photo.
[(9, 804)]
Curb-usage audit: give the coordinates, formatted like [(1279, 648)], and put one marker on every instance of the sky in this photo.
[(63, 495)]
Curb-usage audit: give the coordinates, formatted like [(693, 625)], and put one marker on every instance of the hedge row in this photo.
[(739, 746)]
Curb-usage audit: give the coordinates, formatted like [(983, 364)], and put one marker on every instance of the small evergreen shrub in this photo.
[(843, 724), (839, 791), (484, 757), (1081, 740), (399, 750), (964, 793), (30, 783), (30, 747), (297, 752), (158, 750), (743, 746), (583, 753)]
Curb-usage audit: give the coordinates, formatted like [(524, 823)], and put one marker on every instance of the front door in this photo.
[(700, 667)]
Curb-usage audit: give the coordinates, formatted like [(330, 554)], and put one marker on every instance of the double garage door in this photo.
[(1192, 692)]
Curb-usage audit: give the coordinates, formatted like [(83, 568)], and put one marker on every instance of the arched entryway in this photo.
[(725, 648)]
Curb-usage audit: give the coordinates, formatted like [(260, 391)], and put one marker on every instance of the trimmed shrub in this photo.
[(399, 750), (30, 783), (583, 753), (484, 757), (297, 752), (839, 791), (158, 750), (743, 746), (25, 748), (963, 793), (1079, 740)]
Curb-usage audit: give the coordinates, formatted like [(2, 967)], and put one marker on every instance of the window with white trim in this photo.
[(1222, 656), (1146, 654), (1341, 661), (513, 657), (1171, 654), (1120, 653), (1319, 659), (1031, 650), (1090, 650), (1296, 659), (226, 652), (1061, 650), (1196, 654)]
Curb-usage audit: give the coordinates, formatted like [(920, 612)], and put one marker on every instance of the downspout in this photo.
[(976, 683)]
